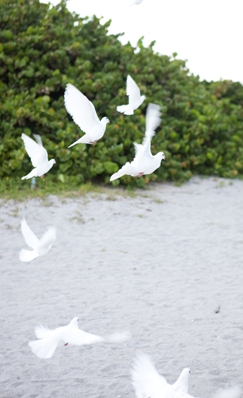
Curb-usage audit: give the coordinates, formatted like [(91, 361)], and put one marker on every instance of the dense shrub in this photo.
[(42, 48)]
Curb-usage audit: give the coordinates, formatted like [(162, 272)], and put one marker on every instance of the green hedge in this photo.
[(42, 48)]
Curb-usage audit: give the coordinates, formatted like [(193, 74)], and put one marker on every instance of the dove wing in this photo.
[(36, 151), (145, 378), (42, 331), (29, 236), (38, 139), (80, 108), (133, 90), (153, 119), (233, 392), (77, 336), (48, 238)]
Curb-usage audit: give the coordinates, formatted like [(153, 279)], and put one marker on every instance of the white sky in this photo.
[(207, 33)]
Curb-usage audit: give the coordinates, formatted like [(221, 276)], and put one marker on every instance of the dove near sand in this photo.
[(84, 115), (39, 246), (70, 334), (148, 383), (38, 156), (144, 162)]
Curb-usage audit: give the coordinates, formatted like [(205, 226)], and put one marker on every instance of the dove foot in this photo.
[(66, 344), (140, 174), (94, 142), (42, 176)]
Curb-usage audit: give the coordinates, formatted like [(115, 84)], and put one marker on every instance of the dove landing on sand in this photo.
[(135, 99), (149, 384), (40, 247), (38, 156), (84, 115), (70, 334), (144, 162)]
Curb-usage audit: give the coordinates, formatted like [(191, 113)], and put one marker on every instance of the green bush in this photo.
[(42, 48)]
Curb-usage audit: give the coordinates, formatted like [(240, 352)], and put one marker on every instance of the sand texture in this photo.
[(166, 265)]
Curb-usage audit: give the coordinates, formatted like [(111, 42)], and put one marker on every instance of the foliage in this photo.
[(42, 48)]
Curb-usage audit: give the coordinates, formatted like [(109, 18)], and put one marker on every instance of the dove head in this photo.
[(160, 156), (52, 162), (74, 321), (182, 382), (105, 120)]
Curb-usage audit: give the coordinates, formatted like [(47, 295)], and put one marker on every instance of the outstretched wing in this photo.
[(145, 378), (29, 236), (36, 151), (80, 108), (133, 91), (48, 238), (77, 336), (153, 119)]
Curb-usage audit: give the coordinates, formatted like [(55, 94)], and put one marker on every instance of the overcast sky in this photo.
[(208, 34)]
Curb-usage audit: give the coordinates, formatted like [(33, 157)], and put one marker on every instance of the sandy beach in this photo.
[(166, 265)]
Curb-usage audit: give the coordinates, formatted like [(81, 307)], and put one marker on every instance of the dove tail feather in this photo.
[(126, 169), (44, 348), (83, 140), (126, 109), (30, 175), (27, 255)]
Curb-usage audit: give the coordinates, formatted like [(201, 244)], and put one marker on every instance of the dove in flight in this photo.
[(144, 162), (70, 334), (134, 98), (149, 384), (40, 247), (38, 156), (84, 115)]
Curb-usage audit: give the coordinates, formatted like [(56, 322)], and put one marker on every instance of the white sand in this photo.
[(159, 265)]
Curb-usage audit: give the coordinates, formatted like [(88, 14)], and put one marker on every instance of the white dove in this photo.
[(144, 162), (84, 115), (149, 384), (38, 156), (134, 100), (70, 334), (40, 247)]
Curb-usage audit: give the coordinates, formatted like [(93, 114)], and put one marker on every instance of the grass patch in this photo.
[(16, 189)]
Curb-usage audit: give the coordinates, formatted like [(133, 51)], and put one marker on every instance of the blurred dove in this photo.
[(134, 100), (38, 156), (144, 162), (84, 115), (40, 247), (149, 384), (70, 334)]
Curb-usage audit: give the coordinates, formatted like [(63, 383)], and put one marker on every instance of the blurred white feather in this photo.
[(40, 247), (84, 115), (38, 156)]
